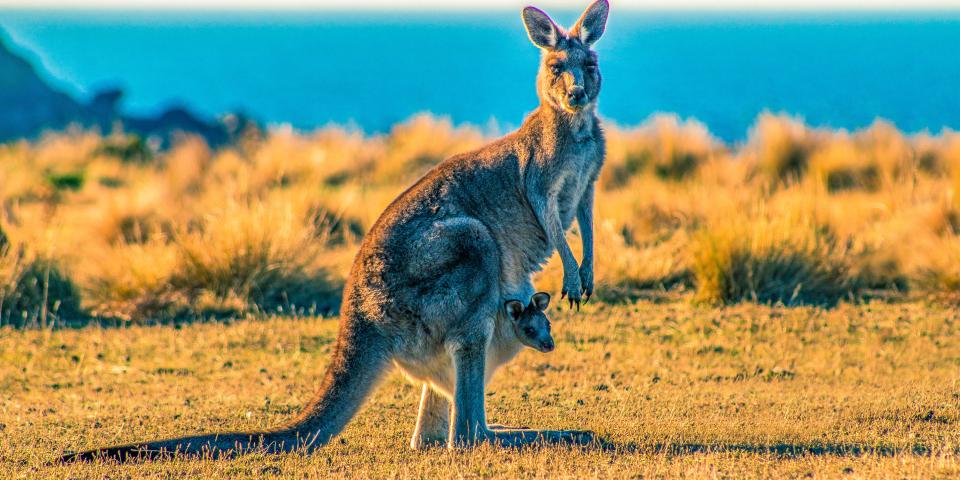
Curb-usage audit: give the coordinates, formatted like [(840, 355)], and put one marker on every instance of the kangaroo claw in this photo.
[(563, 293)]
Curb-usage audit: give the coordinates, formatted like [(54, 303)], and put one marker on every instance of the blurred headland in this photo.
[(31, 106)]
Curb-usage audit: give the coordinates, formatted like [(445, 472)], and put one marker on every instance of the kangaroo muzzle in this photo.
[(576, 97)]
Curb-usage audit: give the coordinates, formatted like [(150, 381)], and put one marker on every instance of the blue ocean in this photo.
[(372, 69)]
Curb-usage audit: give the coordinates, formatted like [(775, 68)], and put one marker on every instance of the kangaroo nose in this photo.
[(576, 95), (547, 345)]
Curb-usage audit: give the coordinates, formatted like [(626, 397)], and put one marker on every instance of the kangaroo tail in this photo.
[(359, 362)]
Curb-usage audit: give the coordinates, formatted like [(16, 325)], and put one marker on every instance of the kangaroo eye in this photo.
[(592, 67), (529, 331)]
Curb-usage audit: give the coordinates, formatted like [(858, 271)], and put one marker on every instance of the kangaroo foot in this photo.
[(424, 443)]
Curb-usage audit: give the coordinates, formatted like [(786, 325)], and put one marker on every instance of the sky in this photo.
[(487, 4)]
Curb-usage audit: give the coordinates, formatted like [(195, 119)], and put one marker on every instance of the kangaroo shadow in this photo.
[(588, 441), (781, 450)]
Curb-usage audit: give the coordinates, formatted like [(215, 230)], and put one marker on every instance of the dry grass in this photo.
[(667, 147), (795, 215), (703, 380), (677, 390), (771, 260), (35, 291)]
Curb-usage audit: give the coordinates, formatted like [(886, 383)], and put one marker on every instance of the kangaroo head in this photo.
[(530, 323), (569, 77)]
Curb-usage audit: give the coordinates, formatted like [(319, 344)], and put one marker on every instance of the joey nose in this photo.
[(576, 96)]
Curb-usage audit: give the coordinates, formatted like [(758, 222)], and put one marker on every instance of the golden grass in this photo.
[(937, 268), (35, 291), (779, 147), (771, 260), (795, 214), (705, 381), (666, 146), (676, 390)]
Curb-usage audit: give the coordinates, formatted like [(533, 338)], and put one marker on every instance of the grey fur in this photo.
[(427, 287)]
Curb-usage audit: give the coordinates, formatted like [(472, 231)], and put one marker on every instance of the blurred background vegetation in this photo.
[(108, 228)]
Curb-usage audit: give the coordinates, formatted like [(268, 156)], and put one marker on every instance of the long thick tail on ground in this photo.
[(360, 360)]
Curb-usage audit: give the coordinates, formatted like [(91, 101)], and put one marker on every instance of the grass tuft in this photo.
[(780, 147), (776, 260), (664, 146), (253, 259), (35, 291), (938, 270)]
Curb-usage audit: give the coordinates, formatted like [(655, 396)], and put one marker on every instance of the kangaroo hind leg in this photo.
[(433, 420)]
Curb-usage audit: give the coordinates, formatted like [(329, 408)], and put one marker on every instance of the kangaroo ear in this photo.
[(592, 23), (542, 31), (514, 309), (541, 300)]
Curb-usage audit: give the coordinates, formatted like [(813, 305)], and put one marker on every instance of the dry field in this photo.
[(781, 307), (737, 392)]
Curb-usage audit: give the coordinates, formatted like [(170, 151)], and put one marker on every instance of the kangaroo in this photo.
[(426, 289), (530, 324)]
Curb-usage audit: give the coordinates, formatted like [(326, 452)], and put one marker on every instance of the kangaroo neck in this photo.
[(553, 128)]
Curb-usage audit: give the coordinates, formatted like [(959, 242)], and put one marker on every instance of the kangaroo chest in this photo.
[(578, 165)]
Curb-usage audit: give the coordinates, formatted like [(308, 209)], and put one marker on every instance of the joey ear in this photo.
[(514, 309), (540, 28), (592, 23), (541, 300)]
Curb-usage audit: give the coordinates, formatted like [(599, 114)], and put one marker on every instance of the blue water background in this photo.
[(373, 69)]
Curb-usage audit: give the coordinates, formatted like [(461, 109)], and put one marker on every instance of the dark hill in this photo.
[(29, 106)]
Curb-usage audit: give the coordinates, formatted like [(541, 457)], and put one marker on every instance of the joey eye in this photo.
[(555, 69)]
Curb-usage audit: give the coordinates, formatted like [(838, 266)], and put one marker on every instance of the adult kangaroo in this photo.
[(427, 288)]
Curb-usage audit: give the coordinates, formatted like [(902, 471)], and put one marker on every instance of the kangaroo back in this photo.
[(359, 361)]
